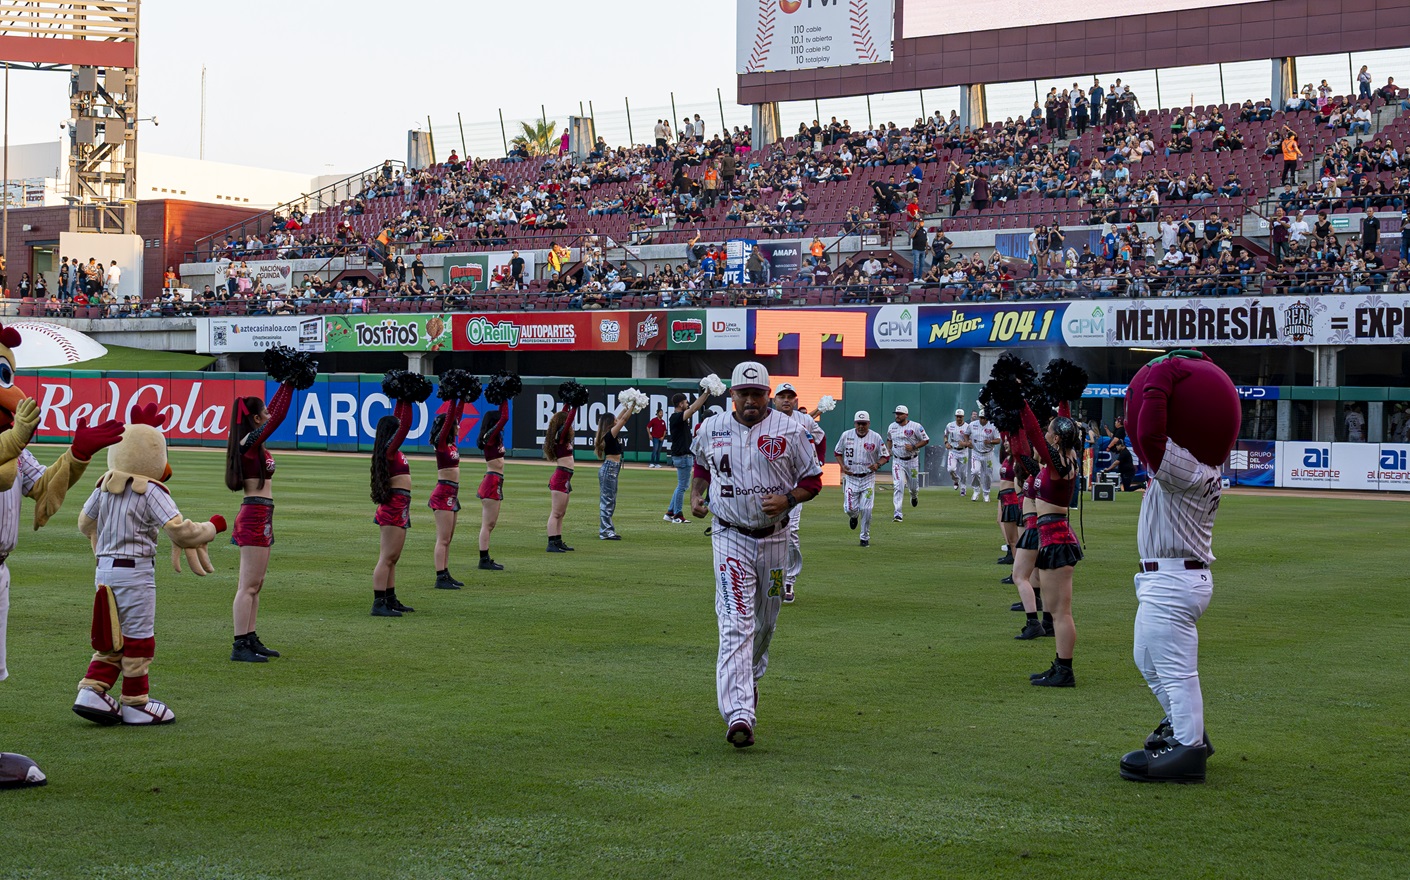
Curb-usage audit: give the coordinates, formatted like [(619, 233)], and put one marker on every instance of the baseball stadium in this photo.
[(1109, 307)]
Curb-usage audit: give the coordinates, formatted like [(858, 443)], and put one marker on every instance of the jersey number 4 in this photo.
[(724, 465)]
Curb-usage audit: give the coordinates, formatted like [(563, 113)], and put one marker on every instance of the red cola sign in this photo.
[(192, 409)]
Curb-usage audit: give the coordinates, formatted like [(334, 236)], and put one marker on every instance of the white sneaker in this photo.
[(154, 712), (986, 499), (975, 496), (668, 518), (97, 707), (788, 593), (897, 518)]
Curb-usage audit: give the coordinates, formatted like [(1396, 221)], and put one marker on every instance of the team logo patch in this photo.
[(772, 447)]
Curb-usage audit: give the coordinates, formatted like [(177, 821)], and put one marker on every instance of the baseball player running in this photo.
[(957, 442), (861, 452), (904, 440), (984, 438), (757, 465), (786, 402)]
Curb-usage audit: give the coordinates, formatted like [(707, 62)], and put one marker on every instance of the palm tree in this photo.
[(538, 139)]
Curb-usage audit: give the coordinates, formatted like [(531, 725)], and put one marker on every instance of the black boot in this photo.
[(1034, 676), (260, 648), (1060, 676), (244, 652), (445, 582), (1008, 579), (1165, 732), (380, 608), (488, 564), (1006, 559), (1169, 763), (395, 604), (1031, 630)]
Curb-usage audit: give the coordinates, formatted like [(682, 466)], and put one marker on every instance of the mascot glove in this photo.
[(16, 438), (219, 522), (88, 439), (196, 557)]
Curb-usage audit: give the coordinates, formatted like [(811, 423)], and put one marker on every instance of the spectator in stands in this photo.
[(113, 276), (1291, 154)]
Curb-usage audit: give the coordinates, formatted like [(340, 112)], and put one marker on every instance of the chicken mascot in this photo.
[(22, 475), (121, 520), (1182, 417)]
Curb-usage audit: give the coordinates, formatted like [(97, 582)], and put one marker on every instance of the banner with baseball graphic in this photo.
[(804, 34)]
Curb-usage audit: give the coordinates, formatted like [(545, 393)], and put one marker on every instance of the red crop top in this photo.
[(255, 462), (1056, 481), (564, 448), (396, 459), (1006, 468), (447, 456), (493, 440)]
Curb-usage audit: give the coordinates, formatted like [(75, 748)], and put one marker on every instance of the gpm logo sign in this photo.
[(1079, 327)]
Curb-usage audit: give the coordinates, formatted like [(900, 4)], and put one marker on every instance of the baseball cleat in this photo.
[(1164, 733), (866, 543), (852, 523), (1184, 765), (975, 496), (897, 518), (1006, 559), (150, 712), (788, 592), (914, 500), (17, 771), (488, 564), (1008, 579), (986, 497), (97, 707), (740, 735), (1031, 630), (1058, 677)]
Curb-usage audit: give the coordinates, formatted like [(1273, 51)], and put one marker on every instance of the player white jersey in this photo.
[(955, 435), (1177, 512), (746, 463), (983, 437), (28, 472), (899, 435), (860, 454)]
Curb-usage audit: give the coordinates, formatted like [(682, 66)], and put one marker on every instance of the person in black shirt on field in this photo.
[(681, 457), (1124, 465)]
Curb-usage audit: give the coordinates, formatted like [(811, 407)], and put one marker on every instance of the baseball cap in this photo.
[(862, 416), (959, 412), (786, 386), (901, 410), (750, 374)]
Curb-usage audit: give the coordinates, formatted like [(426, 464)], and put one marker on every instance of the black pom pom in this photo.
[(1003, 394), (1063, 380), (286, 366), (459, 385), (394, 384), (418, 388), (504, 386), (572, 393), (1012, 368)]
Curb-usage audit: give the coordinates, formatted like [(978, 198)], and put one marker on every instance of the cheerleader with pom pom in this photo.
[(558, 448), (609, 449), (503, 388), (250, 468), (391, 486), (457, 388)]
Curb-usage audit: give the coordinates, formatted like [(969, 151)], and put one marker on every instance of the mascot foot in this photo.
[(96, 707), (17, 771), (152, 712)]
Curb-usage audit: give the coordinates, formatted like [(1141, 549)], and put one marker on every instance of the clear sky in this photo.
[(332, 86)]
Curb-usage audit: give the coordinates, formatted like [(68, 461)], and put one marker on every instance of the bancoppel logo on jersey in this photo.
[(1316, 465), (749, 491)]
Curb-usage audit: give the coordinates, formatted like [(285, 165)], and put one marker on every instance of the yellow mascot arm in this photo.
[(192, 537), (49, 490), (16, 438)]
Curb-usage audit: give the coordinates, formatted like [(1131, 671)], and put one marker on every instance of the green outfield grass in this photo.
[(121, 357), (558, 719)]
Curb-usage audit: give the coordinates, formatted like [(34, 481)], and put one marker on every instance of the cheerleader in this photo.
[(249, 467), (609, 449), (391, 486), (502, 388), (558, 448), (457, 387)]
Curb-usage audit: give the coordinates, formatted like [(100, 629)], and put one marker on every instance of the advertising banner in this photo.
[(982, 325), (803, 34), (894, 327), (1252, 463), (628, 331), (737, 251), (341, 412), (537, 404), (728, 329), (1365, 466), (388, 333), (275, 276), (221, 335), (475, 271), (193, 409), (1341, 319), (541, 331), (685, 329)]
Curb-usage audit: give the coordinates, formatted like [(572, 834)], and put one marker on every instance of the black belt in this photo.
[(1189, 565), (123, 563), (899, 458), (867, 474), (765, 532)]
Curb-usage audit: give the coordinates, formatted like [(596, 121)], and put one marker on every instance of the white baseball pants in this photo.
[(858, 498), (904, 473), (981, 471), (1167, 642), (795, 549), (955, 464), (4, 615), (748, 595)]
